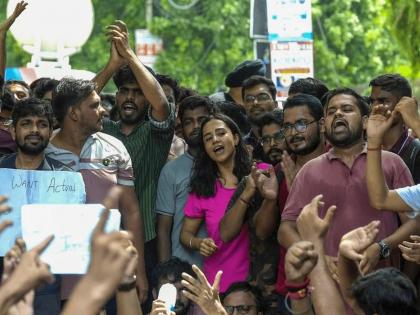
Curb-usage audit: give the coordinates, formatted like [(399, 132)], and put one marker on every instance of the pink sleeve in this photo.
[(192, 208)]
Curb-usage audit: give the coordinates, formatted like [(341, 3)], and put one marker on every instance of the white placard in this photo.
[(71, 226)]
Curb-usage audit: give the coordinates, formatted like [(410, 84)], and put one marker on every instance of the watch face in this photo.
[(386, 251)]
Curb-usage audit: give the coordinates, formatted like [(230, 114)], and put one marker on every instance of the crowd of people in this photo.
[(245, 206)]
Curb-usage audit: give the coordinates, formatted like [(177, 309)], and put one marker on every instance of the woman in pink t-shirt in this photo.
[(220, 165)]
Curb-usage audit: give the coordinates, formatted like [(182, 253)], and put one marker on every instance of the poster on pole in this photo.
[(148, 46), (290, 61), (291, 42)]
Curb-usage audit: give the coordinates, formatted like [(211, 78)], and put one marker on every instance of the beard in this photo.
[(351, 137), (311, 144), (193, 140), (32, 149), (277, 152)]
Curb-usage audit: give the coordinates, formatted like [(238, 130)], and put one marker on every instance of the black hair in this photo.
[(42, 86), (394, 83), (19, 82), (32, 107), (69, 92), (205, 171), (107, 100), (174, 267), (386, 291), (268, 119), (185, 92), (243, 286), (123, 76), (309, 86), (165, 79), (235, 112), (360, 100), (7, 101), (310, 101), (193, 102), (257, 79)]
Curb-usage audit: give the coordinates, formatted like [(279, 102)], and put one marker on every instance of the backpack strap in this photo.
[(410, 154)]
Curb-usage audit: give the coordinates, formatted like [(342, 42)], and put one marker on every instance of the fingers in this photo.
[(41, 247), (5, 224), (3, 206), (100, 226), (415, 238), (121, 25), (330, 215), (216, 283), (200, 275)]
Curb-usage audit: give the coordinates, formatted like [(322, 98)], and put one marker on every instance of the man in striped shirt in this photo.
[(102, 159)]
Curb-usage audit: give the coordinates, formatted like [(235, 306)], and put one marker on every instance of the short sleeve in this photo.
[(404, 177), (192, 208), (411, 196), (165, 198), (125, 175)]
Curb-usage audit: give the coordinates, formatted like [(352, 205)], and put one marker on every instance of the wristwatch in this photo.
[(384, 250)]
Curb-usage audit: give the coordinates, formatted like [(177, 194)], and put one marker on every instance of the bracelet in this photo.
[(244, 201), (191, 241), (289, 308), (125, 287), (374, 149), (297, 287)]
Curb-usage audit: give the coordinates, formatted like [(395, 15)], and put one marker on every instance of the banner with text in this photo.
[(24, 187), (72, 226)]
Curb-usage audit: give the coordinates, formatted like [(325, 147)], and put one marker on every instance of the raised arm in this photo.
[(380, 196), (231, 224), (351, 249), (326, 297), (152, 90), (408, 108), (4, 27)]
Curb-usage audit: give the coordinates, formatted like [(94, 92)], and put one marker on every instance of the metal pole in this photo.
[(149, 12)]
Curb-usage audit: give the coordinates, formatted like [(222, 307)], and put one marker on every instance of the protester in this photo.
[(102, 159), (244, 298), (7, 144), (235, 79), (311, 86), (146, 129), (174, 181), (394, 91), (42, 88), (340, 176), (272, 137), (221, 163), (259, 96)]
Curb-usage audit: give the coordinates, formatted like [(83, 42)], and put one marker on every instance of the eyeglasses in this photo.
[(277, 137), (262, 97), (300, 126), (242, 309)]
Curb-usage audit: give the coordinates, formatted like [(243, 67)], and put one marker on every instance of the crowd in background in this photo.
[(247, 207)]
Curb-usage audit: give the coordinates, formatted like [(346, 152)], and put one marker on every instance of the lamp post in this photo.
[(53, 30)]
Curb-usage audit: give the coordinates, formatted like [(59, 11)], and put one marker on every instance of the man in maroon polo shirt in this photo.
[(339, 175)]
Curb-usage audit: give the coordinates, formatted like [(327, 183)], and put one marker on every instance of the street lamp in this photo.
[(53, 30)]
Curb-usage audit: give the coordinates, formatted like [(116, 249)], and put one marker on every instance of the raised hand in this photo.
[(379, 123), (118, 34), (355, 242), (310, 226), (408, 108), (4, 207), (207, 247), (267, 184), (203, 294), (289, 168), (411, 250), (20, 7), (301, 258)]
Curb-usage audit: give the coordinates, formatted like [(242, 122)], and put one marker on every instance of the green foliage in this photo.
[(355, 40)]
